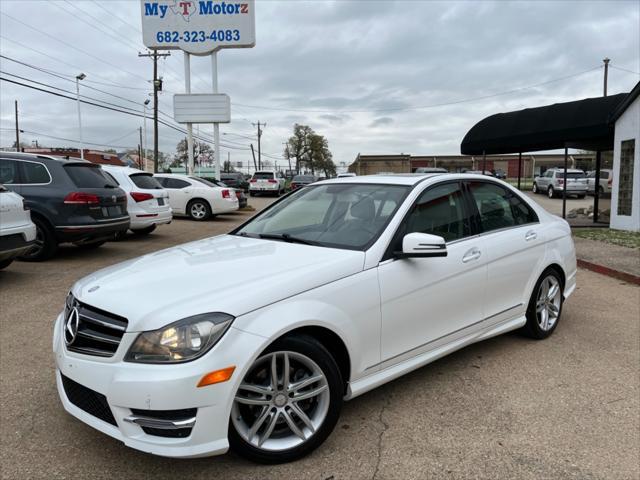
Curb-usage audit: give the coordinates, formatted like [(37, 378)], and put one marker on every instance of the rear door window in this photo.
[(500, 207), (145, 180), (175, 183), (35, 173), (88, 176), (9, 172)]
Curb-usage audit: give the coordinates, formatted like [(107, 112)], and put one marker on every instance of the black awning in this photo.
[(584, 124)]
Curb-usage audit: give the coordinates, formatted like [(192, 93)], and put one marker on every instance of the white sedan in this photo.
[(147, 202), (196, 197), (17, 231), (255, 338)]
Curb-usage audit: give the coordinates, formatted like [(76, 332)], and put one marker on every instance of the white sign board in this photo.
[(198, 26), (201, 108)]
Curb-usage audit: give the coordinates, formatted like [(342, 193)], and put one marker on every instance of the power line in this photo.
[(75, 67), (73, 140), (71, 46), (421, 107), (624, 70), (200, 137)]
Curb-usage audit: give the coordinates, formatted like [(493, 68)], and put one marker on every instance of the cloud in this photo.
[(344, 68), (382, 121)]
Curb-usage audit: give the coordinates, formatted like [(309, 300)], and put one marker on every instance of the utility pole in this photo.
[(259, 136), (17, 129), (255, 166), (606, 74), (141, 159), (157, 87)]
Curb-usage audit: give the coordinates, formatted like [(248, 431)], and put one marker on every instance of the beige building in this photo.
[(531, 163)]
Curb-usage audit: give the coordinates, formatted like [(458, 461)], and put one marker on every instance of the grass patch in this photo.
[(615, 237)]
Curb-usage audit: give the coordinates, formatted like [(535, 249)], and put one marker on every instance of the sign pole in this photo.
[(216, 126), (187, 86)]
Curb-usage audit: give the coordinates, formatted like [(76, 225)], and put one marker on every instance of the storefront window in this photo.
[(625, 191)]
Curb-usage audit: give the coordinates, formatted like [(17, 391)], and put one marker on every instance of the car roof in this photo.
[(40, 157), (395, 179), (124, 169), (569, 170)]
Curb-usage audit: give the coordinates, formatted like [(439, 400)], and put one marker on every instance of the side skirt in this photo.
[(369, 382)]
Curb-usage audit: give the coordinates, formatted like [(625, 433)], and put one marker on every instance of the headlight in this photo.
[(182, 341)]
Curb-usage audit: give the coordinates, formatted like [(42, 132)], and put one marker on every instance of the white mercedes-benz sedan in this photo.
[(255, 338)]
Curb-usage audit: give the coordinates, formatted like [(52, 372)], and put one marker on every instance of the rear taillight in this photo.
[(271, 180), (81, 198), (253, 180), (141, 197), (561, 181), (226, 194), (610, 181)]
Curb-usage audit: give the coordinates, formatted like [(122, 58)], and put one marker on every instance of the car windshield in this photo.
[(262, 175), (571, 175), (303, 178), (145, 180), (349, 216), (89, 176)]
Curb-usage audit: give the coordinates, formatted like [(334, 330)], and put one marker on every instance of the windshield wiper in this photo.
[(286, 238)]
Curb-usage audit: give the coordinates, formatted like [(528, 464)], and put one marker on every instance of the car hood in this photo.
[(227, 273)]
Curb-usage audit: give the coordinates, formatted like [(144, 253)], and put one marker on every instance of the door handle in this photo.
[(471, 255), (530, 235)]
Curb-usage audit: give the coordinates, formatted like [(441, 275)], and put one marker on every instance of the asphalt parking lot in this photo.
[(567, 407)]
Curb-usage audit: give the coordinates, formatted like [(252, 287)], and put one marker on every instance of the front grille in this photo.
[(175, 415), (84, 398), (99, 333)]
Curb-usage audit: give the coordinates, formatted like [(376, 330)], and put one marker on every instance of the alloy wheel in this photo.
[(282, 401), (548, 303), (198, 211), (550, 192)]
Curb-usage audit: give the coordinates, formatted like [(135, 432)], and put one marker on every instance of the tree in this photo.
[(310, 150), (227, 167), (201, 150)]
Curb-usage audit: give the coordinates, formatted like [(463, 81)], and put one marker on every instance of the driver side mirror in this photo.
[(420, 245)]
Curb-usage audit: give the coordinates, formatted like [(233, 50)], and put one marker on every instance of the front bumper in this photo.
[(152, 388)]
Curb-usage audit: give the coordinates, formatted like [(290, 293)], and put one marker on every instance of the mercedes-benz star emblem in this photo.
[(71, 325)]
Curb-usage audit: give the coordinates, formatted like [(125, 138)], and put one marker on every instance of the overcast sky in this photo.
[(372, 76)]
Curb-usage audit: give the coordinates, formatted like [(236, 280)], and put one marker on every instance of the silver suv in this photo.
[(553, 182)]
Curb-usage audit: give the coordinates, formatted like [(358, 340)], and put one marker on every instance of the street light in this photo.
[(144, 106), (82, 76)]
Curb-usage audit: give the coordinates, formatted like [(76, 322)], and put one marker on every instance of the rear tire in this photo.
[(46, 244), (144, 231), (582, 196), (6, 263), (274, 441), (198, 210), (551, 193), (545, 305)]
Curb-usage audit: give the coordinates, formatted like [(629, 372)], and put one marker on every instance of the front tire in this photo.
[(535, 188), (288, 403), (46, 244), (199, 210), (545, 305)]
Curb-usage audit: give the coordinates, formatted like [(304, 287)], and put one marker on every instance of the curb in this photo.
[(610, 272)]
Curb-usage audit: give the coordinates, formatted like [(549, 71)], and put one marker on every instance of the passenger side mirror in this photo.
[(420, 245)]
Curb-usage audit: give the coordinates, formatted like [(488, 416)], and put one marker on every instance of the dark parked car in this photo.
[(301, 180), (242, 198), (500, 174), (70, 201), (235, 180)]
